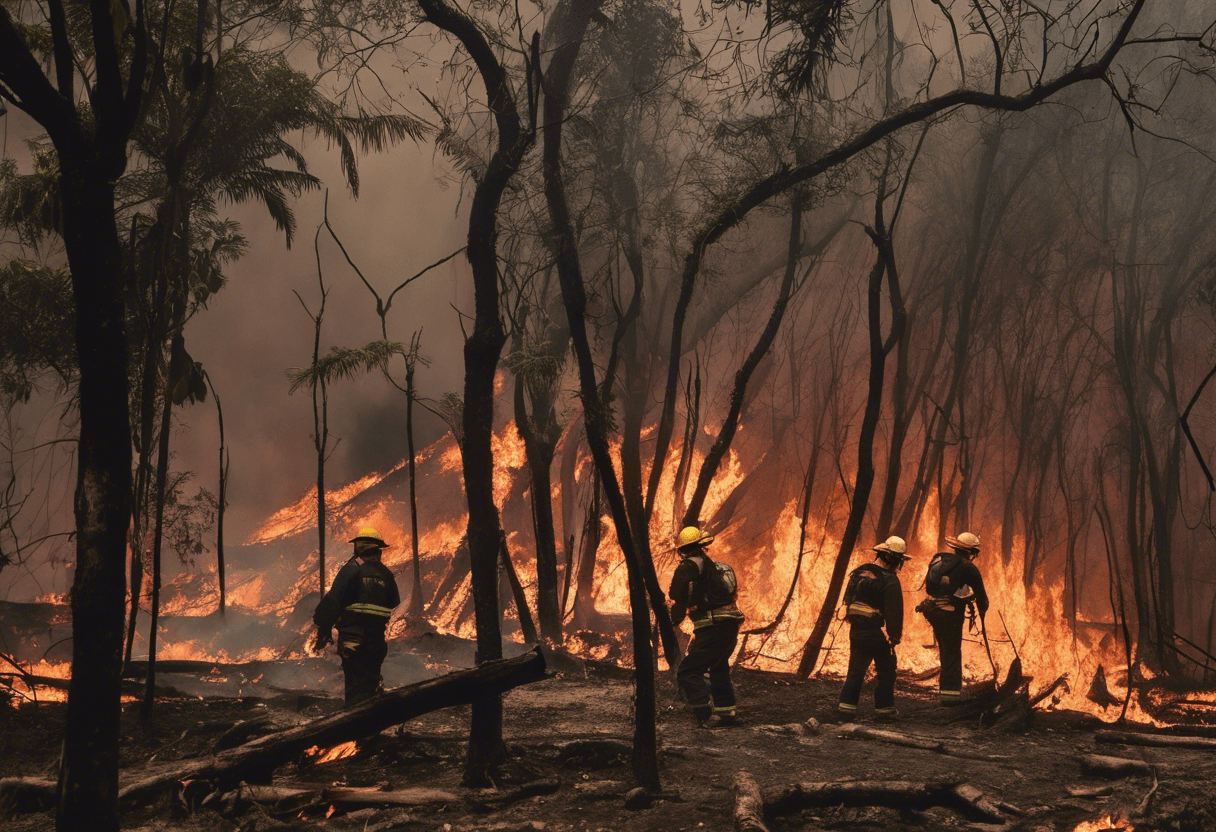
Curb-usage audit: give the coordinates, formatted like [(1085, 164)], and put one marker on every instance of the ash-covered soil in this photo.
[(585, 784)]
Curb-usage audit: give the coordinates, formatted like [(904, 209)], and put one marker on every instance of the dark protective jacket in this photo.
[(687, 593), (360, 601), (959, 573), (891, 610)]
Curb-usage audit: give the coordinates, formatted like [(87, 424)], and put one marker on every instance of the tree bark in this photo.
[(540, 451), (884, 265), (88, 775), (482, 349), (575, 18)]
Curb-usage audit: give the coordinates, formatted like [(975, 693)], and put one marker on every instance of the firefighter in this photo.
[(874, 598), (954, 584), (360, 602), (705, 592)]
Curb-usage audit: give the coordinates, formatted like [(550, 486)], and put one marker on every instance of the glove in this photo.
[(324, 638)]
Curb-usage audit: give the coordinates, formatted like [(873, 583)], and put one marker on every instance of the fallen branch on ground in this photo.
[(293, 798), (894, 794), (749, 804), (910, 741), (256, 759), (1113, 768), (1155, 740)]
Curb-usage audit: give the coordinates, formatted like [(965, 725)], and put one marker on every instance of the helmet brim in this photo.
[(704, 540), (375, 540)]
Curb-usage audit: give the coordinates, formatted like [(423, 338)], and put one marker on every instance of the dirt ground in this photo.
[(591, 782)]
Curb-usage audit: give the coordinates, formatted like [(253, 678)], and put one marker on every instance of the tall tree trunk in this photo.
[(88, 766), (556, 80), (415, 604), (482, 349), (176, 349), (221, 502), (884, 265)]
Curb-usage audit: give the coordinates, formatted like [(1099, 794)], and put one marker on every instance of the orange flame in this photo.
[(337, 752)]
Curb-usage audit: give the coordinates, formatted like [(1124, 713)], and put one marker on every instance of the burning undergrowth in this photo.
[(272, 589)]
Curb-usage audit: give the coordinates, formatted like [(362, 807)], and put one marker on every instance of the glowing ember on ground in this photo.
[(1104, 822), (337, 752)]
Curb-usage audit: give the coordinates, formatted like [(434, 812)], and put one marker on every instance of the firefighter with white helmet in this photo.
[(873, 599), (704, 591), (360, 601), (954, 584)]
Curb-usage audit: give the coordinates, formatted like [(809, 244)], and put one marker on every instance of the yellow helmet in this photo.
[(692, 536), (369, 534)]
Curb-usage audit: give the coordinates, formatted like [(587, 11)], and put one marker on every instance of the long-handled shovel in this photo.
[(996, 676)]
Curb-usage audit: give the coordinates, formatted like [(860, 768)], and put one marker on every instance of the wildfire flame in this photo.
[(337, 752), (1104, 822)]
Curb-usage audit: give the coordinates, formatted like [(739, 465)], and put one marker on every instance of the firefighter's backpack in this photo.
[(720, 587), (938, 581), (865, 585)]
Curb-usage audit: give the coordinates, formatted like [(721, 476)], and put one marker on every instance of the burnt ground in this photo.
[(593, 702)]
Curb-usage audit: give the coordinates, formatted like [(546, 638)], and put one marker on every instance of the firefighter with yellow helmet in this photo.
[(705, 592), (953, 584), (359, 602), (873, 599)]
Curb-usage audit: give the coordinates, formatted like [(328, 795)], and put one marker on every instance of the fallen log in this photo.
[(26, 794), (292, 798), (1155, 740), (254, 759), (911, 741), (892, 794), (749, 804), (1089, 791), (1113, 768)]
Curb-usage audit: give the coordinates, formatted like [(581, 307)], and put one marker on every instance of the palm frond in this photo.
[(344, 363)]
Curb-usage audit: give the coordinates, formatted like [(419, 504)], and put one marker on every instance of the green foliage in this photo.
[(29, 203), (345, 363), (37, 325)]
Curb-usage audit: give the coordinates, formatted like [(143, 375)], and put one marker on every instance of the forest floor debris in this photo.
[(568, 737)]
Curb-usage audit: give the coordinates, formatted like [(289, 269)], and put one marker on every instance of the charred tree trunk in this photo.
[(556, 81), (415, 602), (482, 350), (539, 450), (526, 625), (584, 599), (884, 265), (221, 501), (176, 350), (91, 145), (88, 774)]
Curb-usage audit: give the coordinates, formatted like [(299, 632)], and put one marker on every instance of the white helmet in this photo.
[(965, 540), (893, 549)]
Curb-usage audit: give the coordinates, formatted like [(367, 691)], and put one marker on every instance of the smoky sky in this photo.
[(256, 329)]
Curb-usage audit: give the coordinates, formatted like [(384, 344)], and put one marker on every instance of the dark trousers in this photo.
[(709, 654), (948, 629), (868, 643), (361, 661)]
